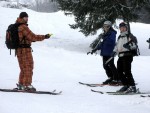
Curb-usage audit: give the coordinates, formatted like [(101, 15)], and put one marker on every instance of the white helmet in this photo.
[(108, 23)]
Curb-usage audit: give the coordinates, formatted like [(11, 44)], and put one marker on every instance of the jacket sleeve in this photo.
[(31, 36), (109, 41)]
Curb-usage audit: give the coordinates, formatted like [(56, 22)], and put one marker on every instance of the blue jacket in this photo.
[(108, 43)]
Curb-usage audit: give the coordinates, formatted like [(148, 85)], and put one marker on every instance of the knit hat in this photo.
[(23, 14), (123, 24), (108, 23)]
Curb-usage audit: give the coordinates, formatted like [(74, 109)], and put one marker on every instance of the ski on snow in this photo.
[(98, 85), (91, 85), (34, 92), (101, 92), (145, 95), (97, 91), (121, 93)]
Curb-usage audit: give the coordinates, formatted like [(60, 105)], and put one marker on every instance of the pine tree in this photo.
[(90, 14)]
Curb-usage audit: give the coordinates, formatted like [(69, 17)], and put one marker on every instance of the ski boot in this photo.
[(107, 81), (131, 89), (123, 89), (30, 88), (19, 87)]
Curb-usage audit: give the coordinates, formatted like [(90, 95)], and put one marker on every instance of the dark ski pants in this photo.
[(124, 70), (110, 68)]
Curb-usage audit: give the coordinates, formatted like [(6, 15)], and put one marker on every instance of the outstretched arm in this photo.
[(31, 36)]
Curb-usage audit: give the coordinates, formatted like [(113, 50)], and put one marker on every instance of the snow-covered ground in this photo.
[(60, 63)]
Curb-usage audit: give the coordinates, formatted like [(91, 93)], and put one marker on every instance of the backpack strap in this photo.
[(23, 39)]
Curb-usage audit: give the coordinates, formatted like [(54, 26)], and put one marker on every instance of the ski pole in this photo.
[(149, 42), (108, 60)]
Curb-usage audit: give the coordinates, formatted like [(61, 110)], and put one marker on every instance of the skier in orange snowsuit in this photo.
[(24, 52)]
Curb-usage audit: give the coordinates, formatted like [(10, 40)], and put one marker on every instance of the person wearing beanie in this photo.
[(24, 52), (125, 60), (23, 14), (106, 45), (123, 24)]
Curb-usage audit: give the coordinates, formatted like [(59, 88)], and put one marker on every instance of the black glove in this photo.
[(127, 46), (47, 36), (93, 51), (113, 54), (148, 40)]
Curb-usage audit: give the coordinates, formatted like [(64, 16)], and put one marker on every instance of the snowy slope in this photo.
[(60, 63)]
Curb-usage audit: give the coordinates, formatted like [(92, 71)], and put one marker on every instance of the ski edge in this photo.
[(97, 91), (98, 85), (117, 93), (37, 92), (91, 85), (144, 95)]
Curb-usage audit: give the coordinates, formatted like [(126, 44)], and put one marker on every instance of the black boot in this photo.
[(123, 89), (109, 80), (131, 89)]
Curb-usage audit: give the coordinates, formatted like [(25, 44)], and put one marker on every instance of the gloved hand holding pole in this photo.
[(93, 51)]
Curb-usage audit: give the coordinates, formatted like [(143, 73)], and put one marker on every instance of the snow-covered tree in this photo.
[(90, 14)]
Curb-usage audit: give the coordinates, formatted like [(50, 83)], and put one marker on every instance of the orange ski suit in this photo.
[(24, 53)]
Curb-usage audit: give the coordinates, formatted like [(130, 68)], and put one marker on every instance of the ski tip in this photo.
[(59, 93), (54, 90), (142, 96), (56, 93), (80, 82), (97, 91)]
